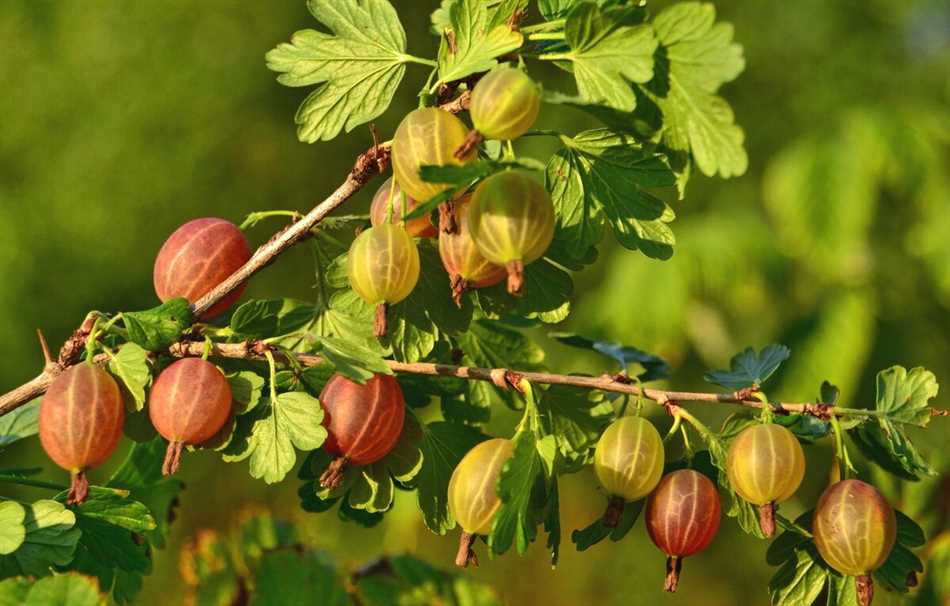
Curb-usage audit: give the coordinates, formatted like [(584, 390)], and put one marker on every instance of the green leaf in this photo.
[(257, 318), (12, 529), (372, 489), (69, 589), (20, 423), (114, 507), (586, 538), (50, 537), (903, 398), (654, 367), (293, 419), (576, 418), (609, 49), (291, 577), (489, 344), (598, 178), (556, 9), (696, 57), (353, 360), (141, 475), (475, 41), (902, 565), (406, 580), (358, 67), (117, 557), (800, 579), (443, 445), (130, 364), (157, 328), (515, 521), (746, 514), (246, 390), (748, 369), (547, 295)]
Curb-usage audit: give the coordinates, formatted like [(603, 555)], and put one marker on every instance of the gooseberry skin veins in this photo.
[(629, 457), (765, 464), (683, 513), (505, 103), (198, 256), (461, 256), (81, 417), (511, 218), (854, 527), (190, 401), (420, 227), (363, 422), (426, 136), (473, 497), (383, 264)]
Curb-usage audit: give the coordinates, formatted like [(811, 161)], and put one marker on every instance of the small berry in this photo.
[(381, 209), (505, 103), (466, 266), (628, 461)]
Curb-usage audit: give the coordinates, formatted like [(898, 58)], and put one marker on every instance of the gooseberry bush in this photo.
[(416, 335)]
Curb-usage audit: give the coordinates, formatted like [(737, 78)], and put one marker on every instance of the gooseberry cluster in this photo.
[(854, 527)]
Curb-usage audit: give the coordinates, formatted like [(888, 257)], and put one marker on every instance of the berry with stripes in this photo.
[(80, 423), (504, 105), (473, 496), (383, 268), (682, 518), (466, 266), (189, 404), (363, 422), (628, 461), (197, 257), (512, 222), (766, 466), (426, 136), (387, 208), (855, 529)]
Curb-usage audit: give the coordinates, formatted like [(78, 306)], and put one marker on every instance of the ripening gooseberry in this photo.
[(766, 466), (682, 518), (363, 422), (466, 266), (505, 103), (198, 256), (80, 422), (512, 222), (383, 268), (854, 529), (426, 136), (473, 500), (628, 461), (380, 210), (189, 403)]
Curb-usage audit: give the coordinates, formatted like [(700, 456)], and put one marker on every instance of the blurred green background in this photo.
[(122, 120)]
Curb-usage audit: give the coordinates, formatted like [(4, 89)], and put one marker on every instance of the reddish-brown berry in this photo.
[(855, 530), (198, 256), (682, 518), (189, 403), (364, 422), (80, 423), (381, 209), (512, 222), (467, 267)]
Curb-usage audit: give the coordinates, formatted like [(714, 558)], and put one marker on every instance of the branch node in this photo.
[(820, 411)]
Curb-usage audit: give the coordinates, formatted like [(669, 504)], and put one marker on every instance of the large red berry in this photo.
[(466, 266), (387, 204), (198, 256), (855, 530), (189, 403), (364, 422), (81, 421), (682, 518)]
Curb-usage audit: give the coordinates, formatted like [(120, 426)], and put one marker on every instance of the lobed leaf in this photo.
[(130, 364), (443, 445), (748, 369), (477, 38), (49, 539), (20, 423), (157, 328)]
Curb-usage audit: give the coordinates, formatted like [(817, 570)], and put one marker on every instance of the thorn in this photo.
[(47, 358)]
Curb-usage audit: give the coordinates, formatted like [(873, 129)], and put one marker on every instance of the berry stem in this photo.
[(459, 285), (466, 555), (673, 567), (332, 476), (379, 321), (78, 488), (614, 513), (448, 222), (515, 277), (172, 458), (767, 519), (472, 140), (864, 588)]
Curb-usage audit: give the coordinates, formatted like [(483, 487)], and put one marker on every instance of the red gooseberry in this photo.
[(387, 207), (466, 266)]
